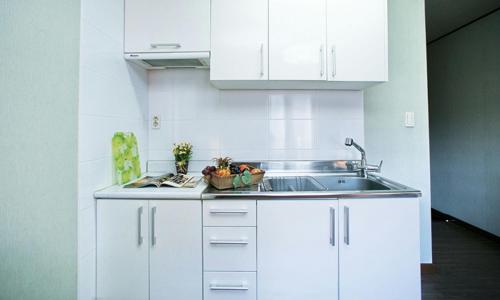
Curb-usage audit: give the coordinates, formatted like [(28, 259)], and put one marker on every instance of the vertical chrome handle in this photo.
[(261, 59), (322, 61), (334, 61), (166, 45), (139, 227), (332, 226), (153, 226), (346, 225)]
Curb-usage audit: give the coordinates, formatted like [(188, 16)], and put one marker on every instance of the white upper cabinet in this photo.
[(357, 40), (239, 40), (297, 39), (167, 25)]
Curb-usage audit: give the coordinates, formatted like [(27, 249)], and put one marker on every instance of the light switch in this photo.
[(155, 122), (410, 119)]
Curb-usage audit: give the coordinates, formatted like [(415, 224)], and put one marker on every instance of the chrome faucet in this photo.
[(363, 168)]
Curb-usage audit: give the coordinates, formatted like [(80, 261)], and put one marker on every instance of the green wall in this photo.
[(464, 97), (39, 68), (405, 151)]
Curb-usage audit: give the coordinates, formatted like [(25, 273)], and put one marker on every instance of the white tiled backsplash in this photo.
[(250, 124)]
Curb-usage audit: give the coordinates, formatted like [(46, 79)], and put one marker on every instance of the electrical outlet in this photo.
[(155, 122)]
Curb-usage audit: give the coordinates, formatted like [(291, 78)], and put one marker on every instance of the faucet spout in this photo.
[(363, 168), (350, 142)]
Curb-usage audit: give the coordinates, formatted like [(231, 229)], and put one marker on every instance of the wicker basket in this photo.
[(226, 182)]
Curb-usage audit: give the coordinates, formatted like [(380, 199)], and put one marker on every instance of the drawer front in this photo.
[(230, 286), (229, 249), (229, 213)]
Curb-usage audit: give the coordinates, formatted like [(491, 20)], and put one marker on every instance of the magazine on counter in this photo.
[(166, 180)]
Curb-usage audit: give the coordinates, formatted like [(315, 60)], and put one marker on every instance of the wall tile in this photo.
[(291, 105), (253, 124), (113, 97), (87, 276), (250, 105), (86, 230), (291, 134)]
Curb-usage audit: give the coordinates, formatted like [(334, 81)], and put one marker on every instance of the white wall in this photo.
[(405, 151), (38, 152), (250, 125), (113, 97)]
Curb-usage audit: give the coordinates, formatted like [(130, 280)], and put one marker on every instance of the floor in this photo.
[(466, 264)]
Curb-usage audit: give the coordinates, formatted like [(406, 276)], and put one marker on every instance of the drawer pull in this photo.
[(228, 242), (229, 211), (240, 287)]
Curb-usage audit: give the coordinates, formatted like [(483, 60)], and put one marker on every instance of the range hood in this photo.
[(165, 60)]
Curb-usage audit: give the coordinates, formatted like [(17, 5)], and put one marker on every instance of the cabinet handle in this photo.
[(216, 211), (322, 69), (153, 226), (332, 226), (166, 45), (261, 60), (346, 225), (228, 242), (334, 61), (240, 287), (140, 237)]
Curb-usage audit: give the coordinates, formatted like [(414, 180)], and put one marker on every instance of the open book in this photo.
[(167, 180)]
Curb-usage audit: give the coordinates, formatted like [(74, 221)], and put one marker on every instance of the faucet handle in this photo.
[(375, 168)]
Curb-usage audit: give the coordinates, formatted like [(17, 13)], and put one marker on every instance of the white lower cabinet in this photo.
[(230, 286), (297, 249), (122, 250), (175, 257), (294, 249), (379, 249), (149, 249), (354, 249), (229, 248)]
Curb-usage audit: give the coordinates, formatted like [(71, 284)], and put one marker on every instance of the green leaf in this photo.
[(236, 181), (247, 177)]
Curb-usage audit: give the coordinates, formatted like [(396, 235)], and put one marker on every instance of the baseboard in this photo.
[(436, 214), (427, 268)]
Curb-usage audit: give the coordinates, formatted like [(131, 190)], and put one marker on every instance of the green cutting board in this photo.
[(126, 163)]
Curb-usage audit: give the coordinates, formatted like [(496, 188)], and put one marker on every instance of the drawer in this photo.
[(230, 286), (229, 249), (229, 213)]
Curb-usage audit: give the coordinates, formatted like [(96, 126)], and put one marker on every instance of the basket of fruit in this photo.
[(226, 175)]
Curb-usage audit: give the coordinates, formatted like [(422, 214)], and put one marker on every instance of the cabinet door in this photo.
[(379, 249), (239, 40), (176, 255), (297, 249), (357, 40), (167, 25), (297, 39), (122, 250)]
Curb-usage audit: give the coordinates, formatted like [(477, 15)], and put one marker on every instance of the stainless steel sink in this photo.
[(292, 184), (336, 183)]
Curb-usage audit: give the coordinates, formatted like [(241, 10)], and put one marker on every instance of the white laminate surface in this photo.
[(118, 192)]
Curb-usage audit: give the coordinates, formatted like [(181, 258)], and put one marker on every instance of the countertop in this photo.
[(203, 192), (167, 193)]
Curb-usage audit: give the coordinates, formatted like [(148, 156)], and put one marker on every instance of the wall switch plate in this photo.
[(155, 122), (409, 119)]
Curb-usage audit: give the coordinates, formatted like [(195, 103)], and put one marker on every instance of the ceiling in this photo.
[(444, 16)]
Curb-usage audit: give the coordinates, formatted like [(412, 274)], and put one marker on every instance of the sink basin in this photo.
[(292, 184), (335, 183)]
